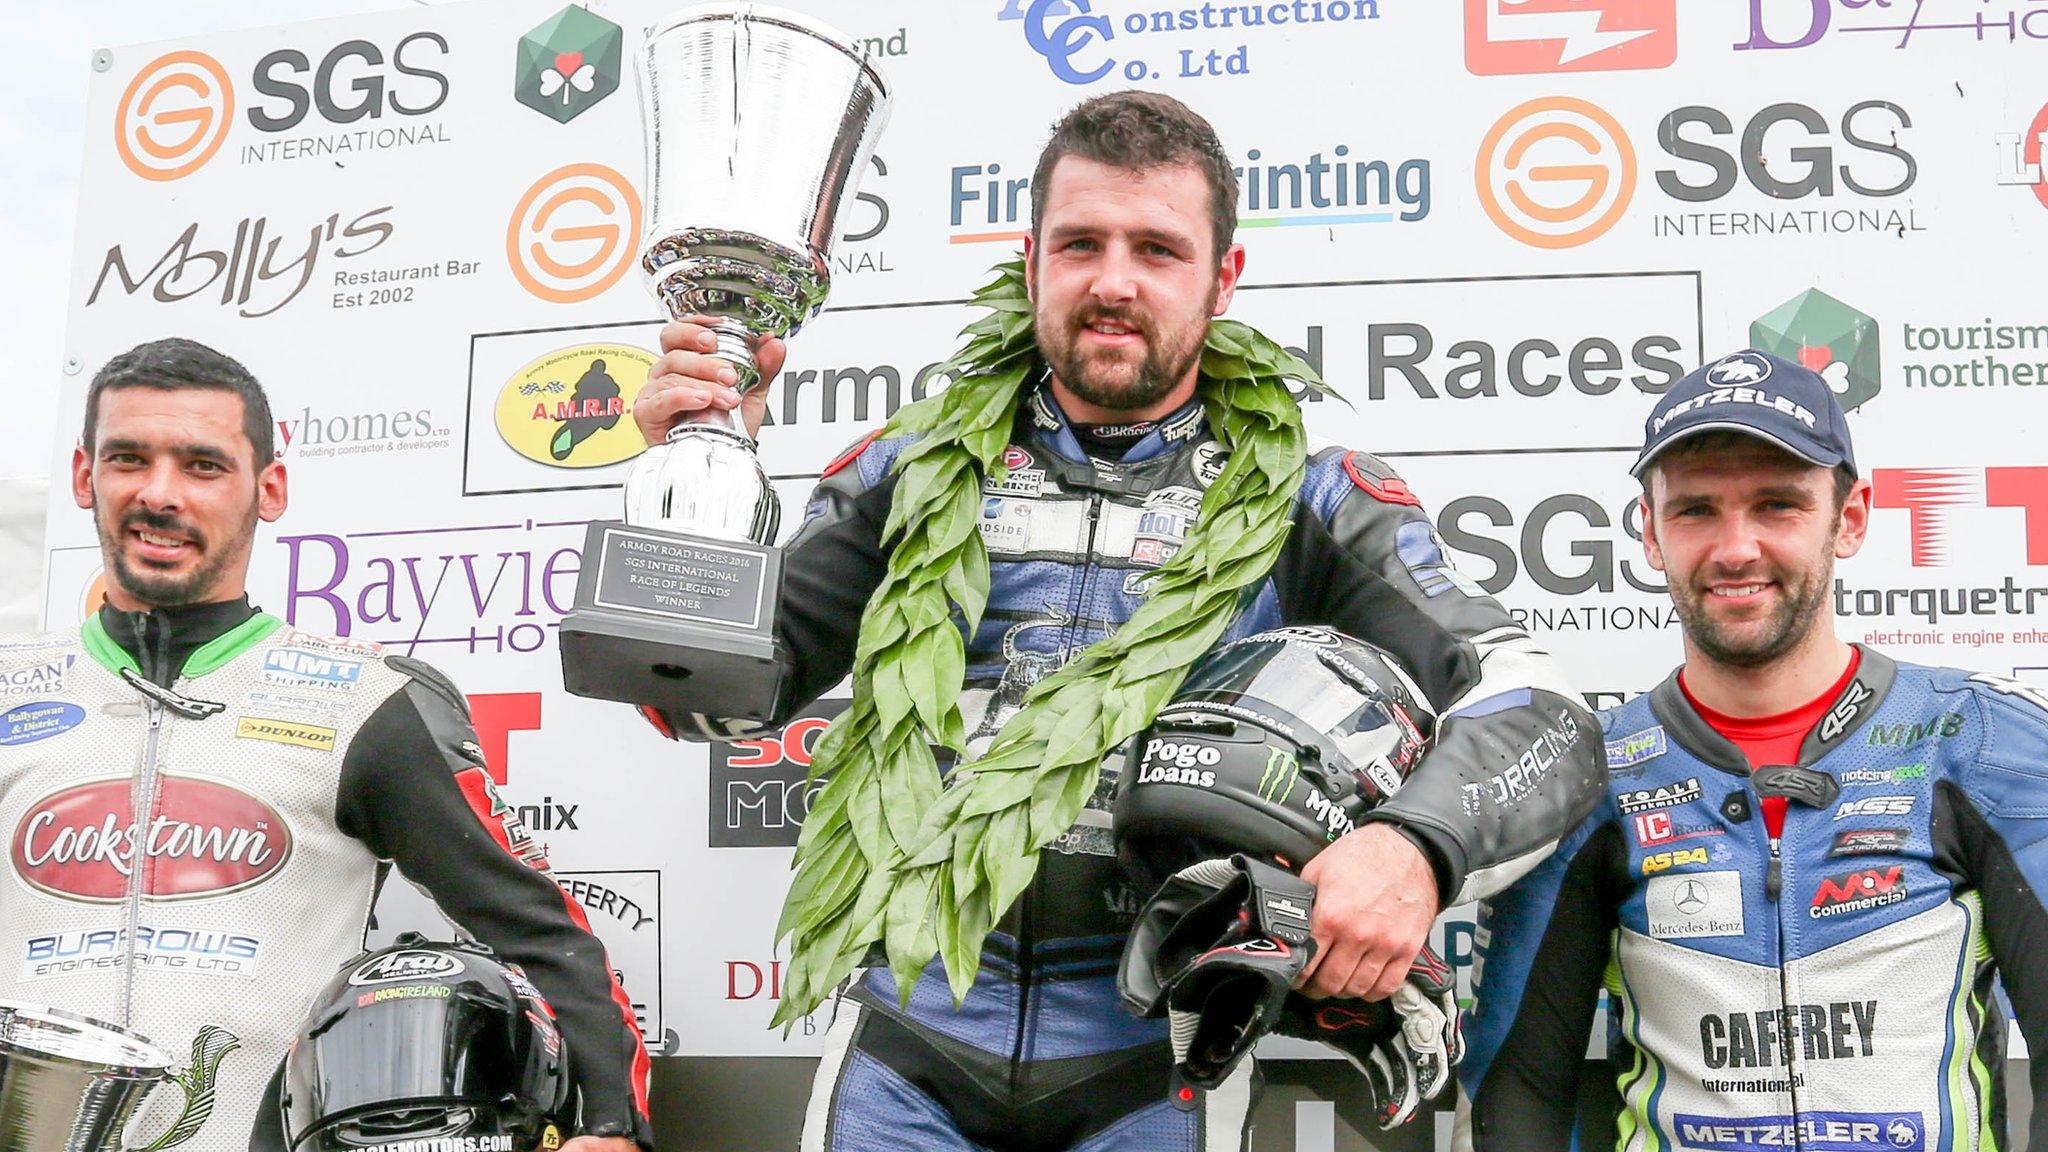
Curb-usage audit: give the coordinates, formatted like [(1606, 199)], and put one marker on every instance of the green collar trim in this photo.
[(206, 658)]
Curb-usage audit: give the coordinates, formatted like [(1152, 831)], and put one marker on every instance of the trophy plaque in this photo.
[(759, 122)]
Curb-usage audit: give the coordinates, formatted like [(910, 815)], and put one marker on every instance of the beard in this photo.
[(1113, 378), (1756, 643), (155, 587)]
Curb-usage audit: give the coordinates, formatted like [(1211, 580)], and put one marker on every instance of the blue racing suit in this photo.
[(1835, 995), (1042, 1054)]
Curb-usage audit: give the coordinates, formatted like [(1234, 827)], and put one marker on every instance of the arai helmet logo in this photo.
[(406, 964)]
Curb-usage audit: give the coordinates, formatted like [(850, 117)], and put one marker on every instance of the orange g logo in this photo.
[(1556, 172), (574, 233), (174, 115), (95, 595)]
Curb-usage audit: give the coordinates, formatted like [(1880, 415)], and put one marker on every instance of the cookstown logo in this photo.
[(174, 116), (573, 233), (568, 63), (208, 838), (1556, 172)]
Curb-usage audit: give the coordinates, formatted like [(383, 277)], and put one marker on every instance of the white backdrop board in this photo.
[(1500, 227)]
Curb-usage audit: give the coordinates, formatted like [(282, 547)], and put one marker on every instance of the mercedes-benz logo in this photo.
[(1692, 897)]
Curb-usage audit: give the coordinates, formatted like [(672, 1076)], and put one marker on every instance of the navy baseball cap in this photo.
[(1759, 395)]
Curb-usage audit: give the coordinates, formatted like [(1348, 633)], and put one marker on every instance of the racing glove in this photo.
[(1404, 1046), (1217, 950)]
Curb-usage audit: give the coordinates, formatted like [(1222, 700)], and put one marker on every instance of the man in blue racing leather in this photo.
[(1813, 861)]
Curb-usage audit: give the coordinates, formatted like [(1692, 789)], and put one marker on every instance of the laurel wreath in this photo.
[(890, 852)]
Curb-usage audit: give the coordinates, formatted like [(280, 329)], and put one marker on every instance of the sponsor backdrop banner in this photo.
[(1500, 227)]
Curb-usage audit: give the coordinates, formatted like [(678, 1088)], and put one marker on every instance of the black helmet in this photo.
[(425, 1041), (1275, 745)]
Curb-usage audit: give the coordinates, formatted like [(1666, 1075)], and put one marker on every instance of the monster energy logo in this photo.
[(1276, 783)]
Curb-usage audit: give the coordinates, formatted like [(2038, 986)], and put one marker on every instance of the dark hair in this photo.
[(174, 363), (1137, 131), (1725, 439)]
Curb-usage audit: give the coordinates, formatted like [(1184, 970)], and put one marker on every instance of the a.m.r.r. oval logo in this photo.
[(1556, 172), (174, 115), (574, 233)]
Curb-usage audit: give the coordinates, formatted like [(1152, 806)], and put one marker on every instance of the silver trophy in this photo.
[(71, 1083), (759, 122)]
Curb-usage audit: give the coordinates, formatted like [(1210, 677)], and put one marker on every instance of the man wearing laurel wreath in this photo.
[(202, 802), (1115, 484)]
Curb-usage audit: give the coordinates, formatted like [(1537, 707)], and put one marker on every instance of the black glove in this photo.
[(1405, 1045), (1217, 950)]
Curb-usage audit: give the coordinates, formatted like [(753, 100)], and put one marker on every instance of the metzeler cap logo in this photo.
[(406, 964), (570, 408), (207, 838), (568, 63)]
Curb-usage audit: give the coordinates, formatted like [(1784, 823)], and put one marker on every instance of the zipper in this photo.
[(142, 802), (1071, 644), (1025, 936)]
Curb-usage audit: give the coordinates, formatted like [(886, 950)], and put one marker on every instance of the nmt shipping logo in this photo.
[(1321, 189), (1090, 41), (760, 788)]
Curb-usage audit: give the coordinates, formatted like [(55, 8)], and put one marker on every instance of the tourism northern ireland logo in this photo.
[(568, 63), (572, 407), (1829, 337)]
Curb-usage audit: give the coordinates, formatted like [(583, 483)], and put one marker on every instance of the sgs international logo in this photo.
[(573, 233), (1556, 172), (571, 408), (174, 116)]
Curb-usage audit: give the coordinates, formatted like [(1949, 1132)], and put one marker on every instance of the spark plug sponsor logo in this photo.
[(44, 678), (213, 951), (571, 236), (257, 272), (1869, 842), (570, 408), (1556, 172), (174, 116), (39, 721), (1838, 1030), (406, 964), (1513, 37), (1875, 806), (1086, 41), (1665, 796), (1520, 780), (206, 838), (760, 788), (1858, 891), (1813, 1131)]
